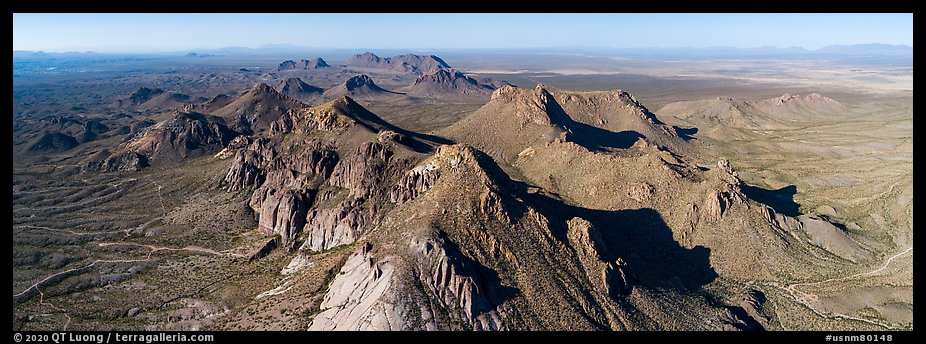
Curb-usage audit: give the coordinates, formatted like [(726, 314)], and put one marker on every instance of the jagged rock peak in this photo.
[(455, 158), (262, 87), (726, 194), (359, 81), (440, 76), (302, 64), (533, 105), (296, 86), (335, 115)]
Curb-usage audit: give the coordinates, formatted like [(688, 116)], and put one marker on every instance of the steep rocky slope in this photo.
[(516, 119), (253, 111), (447, 83), (184, 136), (322, 171), (297, 89)]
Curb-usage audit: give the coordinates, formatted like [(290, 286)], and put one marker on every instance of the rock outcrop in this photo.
[(330, 227), (725, 196), (458, 284), (415, 182), (615, 276), (533, 105), (247, 170), (362, 172), (282, 211), (618, 278), (359, 299)]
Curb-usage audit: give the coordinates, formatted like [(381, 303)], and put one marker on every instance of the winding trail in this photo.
[(805, 298), (153, 249), (163, 207), (125, 231), (44, 302)]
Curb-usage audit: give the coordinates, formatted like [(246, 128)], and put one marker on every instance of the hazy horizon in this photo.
[(170, 33)]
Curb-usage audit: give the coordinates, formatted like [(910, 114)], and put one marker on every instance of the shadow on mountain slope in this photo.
[(642, 239), (596, 139), (685, 133), (639, 236), (782, 200), (591, 137), (485, 278)]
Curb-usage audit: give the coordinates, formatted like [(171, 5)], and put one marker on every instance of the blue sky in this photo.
[(177, 32)]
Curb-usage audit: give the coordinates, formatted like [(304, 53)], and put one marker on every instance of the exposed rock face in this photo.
[(458, 284), (362, 172), (779, 221), (260, 163), (719, 201), (357, 298), (389, 136), (327, 228), (234, 146), (640, 192), (449, 158), (754, 305), (409, 63), (585, 238), (308, 159), (415, 182), (245, 171), (284, 182), (247, 168), (299, 262), (492, 206), (615, 277), (533, 105), (282, 211)]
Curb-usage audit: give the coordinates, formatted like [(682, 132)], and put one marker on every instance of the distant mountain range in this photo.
[(871, 49)]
